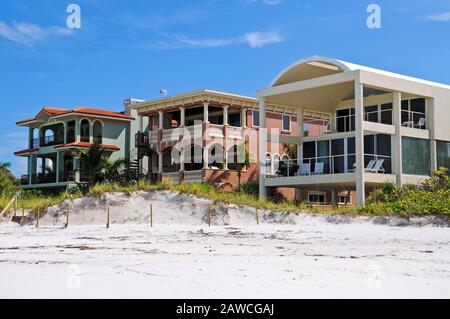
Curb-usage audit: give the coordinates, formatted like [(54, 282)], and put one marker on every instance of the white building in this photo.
[(382, 127)]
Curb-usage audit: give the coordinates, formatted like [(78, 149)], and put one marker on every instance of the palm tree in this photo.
[(112, 169), (93, 163)]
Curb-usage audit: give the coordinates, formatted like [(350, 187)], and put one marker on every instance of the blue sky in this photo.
[(134, 48)]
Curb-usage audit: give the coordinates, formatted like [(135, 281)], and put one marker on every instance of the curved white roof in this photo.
[(330, 66)]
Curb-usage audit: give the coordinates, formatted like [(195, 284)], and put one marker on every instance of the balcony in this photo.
[(51, 140), (331, 165)]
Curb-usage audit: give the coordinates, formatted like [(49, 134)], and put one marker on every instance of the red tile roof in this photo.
[(81, 110), (27, 151), (87, 145)]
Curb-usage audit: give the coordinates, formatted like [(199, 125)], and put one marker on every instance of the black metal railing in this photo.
[(52, 140), (25, 180), (141, 140), (66, 176)]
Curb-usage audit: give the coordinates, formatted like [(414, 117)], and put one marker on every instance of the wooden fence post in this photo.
[(257, 216), (22, 220), (151, 215), (209, 217), (38, 223), (108, 217), (67, 217), (15, 207)]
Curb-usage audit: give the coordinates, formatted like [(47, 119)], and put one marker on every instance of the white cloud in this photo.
[(252, 39), (440, 17), (28, 33)]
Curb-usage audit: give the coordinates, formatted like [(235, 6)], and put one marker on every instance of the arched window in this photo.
[(49, 136), (84, 131), (98, 132)]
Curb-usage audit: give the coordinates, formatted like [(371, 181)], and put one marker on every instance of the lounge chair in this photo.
[(318, 170), (370, 166), (421, 124), (378, 168), (304, 170)]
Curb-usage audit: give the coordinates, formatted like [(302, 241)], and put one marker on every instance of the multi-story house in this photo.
[(199, 136), (55, 136), (381, 127)]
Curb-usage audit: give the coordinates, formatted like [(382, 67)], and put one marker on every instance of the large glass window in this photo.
[(255, 118), (371, 113), (84, 129), (416, 156), (443, 154), (338, 153), (386, 113), (345, 120), (98, 132), (323, 154), (414, 113), (286, 123)]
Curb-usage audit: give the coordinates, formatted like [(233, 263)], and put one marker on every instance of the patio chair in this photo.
[(421, 124), (304, 170), (318, 170), (370, 166), (378, 168)]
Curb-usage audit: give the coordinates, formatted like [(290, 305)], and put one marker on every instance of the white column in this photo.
[(301, 134), (77, 130), (66, 127), (30, 168), (205, 157), (244, 118), (182, 116), (397, 157), (206, 112), (141, 123), (58, 165), (161, 120), (225, 115), (359, 122), (262, 149), (430, 127), (182, 160), (76, 168), (91, 133)]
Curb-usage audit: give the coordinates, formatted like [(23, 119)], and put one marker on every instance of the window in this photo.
[(416, 156), (344, 199), (317, 198), (386, 114), (84, 129), (443, 154), (98, 132), (345, 120), (414, 113), (286, 123), (255, 118)]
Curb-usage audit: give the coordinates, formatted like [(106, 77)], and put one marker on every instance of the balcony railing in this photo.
[(235, 133), (413, 119), (51, 140), (66, 177), (25, 180), (330, 165), (142, 140)]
